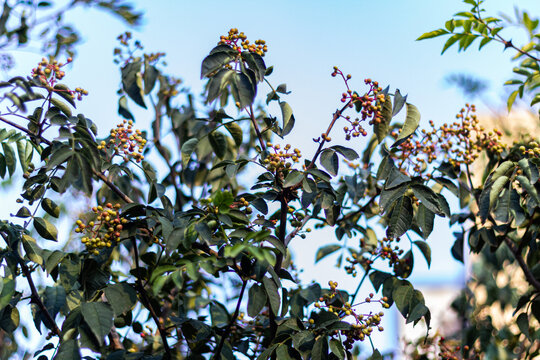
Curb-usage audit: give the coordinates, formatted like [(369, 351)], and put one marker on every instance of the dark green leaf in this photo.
[(330, 161), (425, 249), (381, 128), (99, 317), (257, 300), (122, 297), (132, 82), (411, 122), (214, 62), (273, 294), (45, 229), (326, 250), (288, 118), (400, 218), (293, 178), (50, 207)]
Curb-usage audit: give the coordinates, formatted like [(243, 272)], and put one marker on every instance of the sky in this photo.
[(306, 39)]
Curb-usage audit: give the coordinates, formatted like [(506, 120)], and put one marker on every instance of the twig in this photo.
[(148, 304), (233, 320), (519, 258), (256, 127)]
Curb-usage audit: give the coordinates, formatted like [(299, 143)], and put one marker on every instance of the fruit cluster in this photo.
[(369, 105), (125, 142), (281, 159), (530, 149), (363, 323), (234, 37), (104, 230), (385, 250), (460, 143), (49, 72)]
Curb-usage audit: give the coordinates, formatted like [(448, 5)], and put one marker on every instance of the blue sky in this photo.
[(305, 39)]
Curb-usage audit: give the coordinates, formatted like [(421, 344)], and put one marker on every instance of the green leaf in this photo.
[(330, 161), (288, 118), (236, 132), (68, 350), (54, 299), (123, 109), (150, 76), (218, 314), (523, 324), (320, 349), (10, 319), (7, 288), (257, 300), (381, 128), (425, 219), (9, 156), (337, 349), (33, 251), (411, 122), (23, 213), (122, 297), (451, 41), (293, 178), (528, 187), (99, 317), (403, 295), (218, 141), (511, 100), (401, 218), (432, 34), (62, 106), (242, 89), (425, 249), (215, 61), (63, 91), (187, 150), (399, 101), (417, 312), (132, 82), (50, 207), (273, 294), (348, 153), (267, 353), (428, 198), (326, 250), (45, 229)]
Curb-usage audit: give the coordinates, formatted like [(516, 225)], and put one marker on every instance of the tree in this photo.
[(196, 263)]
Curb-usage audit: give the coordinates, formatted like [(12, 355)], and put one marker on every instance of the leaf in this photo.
[(218, 314), (63, 91), (132, 82), (425, 249), (273, 294), (62, 106), (451, 41), (337, 349), (432, 34), (348, 153), (243, 90), (122, 297), (50, 207), (123, 109), (411, 122), (187, 150), (23, 212), (326, 250), (218, 141), (99, 317), (381, 128), (33, 251), (528, 187), (215, 61), (330, 161), (425, 219), (8, 287), (45, 229), (68, 350), (150, 76), (402, 296), (9, 156), (511, 100), (257, 300), (401, 218), (236, 132), (428, 198), (293, 178), (288, 118), (523, 324)]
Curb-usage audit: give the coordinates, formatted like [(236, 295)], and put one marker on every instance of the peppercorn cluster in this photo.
[(386, 249), (125, 141), (363, 325), (280, 159), (369, 105), (460, 143), (104, 231), (49, 72), (239, 42)]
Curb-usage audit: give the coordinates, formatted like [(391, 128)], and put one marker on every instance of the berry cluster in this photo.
[(125, 142), (104, 230), (234, 37), (460, 143), (281, 159), (128, 51), (530, 149), (363, 323), (454, 352), (49, 72), (242, 202), (384, 250), (369, 105)]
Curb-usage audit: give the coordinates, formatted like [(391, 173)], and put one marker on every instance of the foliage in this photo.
[(196, 263)]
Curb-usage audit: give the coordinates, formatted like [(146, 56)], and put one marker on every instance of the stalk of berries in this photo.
[(50, 72), (104, 230), (384, 250), (460, 143), (369, 105), (239, 42), (363, 325), (279, 159), (125, 142)]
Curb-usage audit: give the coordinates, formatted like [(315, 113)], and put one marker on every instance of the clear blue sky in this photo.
[(305, 39)]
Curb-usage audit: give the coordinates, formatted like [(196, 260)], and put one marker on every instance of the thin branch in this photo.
[(521, 261), (256, 127), (217, 352), (148, 304)]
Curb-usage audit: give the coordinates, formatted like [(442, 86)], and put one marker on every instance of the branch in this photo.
[(148, 305), (257, 131), (519, 258), (37, 300), (217, 352)]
